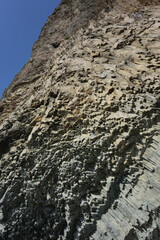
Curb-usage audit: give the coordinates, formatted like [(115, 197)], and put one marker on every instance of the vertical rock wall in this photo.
[(79, 140)]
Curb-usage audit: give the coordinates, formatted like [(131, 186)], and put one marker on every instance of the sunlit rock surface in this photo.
[(80, 128)]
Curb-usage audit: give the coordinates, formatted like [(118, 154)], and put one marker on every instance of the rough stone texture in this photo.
[(80, 129)]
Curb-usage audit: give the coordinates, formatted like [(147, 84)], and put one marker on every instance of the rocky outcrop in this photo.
[(80, 132)]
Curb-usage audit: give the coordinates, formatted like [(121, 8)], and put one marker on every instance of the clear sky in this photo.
[(21, 22)]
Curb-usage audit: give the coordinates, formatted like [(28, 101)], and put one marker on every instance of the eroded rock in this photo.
[(80, 145)]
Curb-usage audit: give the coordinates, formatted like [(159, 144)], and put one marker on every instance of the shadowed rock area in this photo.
[(80, 127)]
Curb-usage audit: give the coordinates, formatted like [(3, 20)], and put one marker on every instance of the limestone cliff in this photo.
[(80, 128)]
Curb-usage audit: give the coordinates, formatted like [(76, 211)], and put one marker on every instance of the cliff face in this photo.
[(80, 128)]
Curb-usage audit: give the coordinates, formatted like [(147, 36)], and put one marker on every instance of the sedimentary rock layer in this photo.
[(80, 137)]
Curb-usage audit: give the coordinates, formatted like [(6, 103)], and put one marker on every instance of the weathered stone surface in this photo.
[(80, 128)]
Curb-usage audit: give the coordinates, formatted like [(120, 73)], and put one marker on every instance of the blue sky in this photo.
[(21, 22)]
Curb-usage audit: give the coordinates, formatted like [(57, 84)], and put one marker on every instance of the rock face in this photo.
[(80, 128)]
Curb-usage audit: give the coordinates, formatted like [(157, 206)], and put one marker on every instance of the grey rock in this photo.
[(80, 129)]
